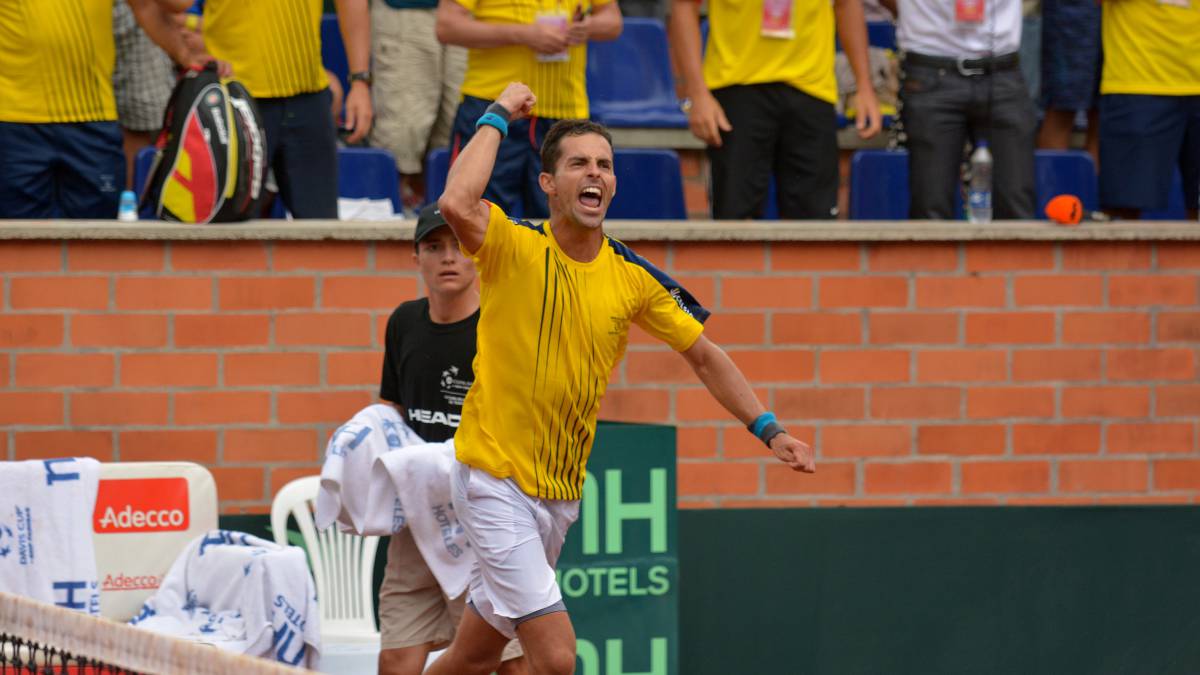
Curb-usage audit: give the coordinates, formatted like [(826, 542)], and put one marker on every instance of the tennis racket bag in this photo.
[(211, 163)]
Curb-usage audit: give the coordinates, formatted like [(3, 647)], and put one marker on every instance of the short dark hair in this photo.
[(560, 130)]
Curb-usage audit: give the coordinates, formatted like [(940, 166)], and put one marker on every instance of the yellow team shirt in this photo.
[(56, 61), (1151, 47), (738, 53), (273, 45), (560, 86), (550, 331)]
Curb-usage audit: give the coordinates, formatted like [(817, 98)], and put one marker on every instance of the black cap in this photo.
[(429, 220)]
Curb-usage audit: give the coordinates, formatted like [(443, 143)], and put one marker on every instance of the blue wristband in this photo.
[(495, 121), (756, 427)]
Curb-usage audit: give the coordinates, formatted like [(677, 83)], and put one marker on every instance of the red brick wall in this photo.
[(926, 373)]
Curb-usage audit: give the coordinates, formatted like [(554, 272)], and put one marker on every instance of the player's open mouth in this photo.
[(591, 197)]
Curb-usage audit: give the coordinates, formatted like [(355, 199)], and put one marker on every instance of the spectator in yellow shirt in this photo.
[(541, 42), (275, 49), (1149, 104)]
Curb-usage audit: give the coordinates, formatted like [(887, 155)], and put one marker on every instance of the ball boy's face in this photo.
[(442, 265)]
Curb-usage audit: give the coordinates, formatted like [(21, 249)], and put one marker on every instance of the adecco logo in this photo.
[(141, 505)]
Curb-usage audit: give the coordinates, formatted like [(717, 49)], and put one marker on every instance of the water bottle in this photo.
[(979, 193), (127, 208)]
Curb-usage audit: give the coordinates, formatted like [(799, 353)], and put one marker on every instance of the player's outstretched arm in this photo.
[(728, 385), (461, 203)]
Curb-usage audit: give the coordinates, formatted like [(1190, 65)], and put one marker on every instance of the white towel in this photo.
[(421, 477), (350, 494), (240, 593), (46, 550)]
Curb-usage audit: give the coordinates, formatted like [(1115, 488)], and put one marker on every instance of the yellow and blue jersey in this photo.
[(551, 329), (273, 45), (560, 86), (56, 61)]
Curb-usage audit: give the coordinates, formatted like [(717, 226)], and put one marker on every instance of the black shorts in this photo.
[(61, 170), (778, 131)]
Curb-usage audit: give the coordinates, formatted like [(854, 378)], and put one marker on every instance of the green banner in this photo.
[(619, 570)]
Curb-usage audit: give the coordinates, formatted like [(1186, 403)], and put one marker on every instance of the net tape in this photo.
[(40, 638)]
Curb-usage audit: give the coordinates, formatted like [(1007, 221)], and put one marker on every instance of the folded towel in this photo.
[(349, 495), (241, 593), (420, 475), (46, 550)]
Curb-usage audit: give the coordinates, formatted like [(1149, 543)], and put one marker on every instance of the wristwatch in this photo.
[(363, 76)]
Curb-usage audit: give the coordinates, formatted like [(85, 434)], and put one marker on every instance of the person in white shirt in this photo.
[(961, 83)]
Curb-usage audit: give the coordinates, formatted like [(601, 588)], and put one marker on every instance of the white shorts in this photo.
[(517, 539)]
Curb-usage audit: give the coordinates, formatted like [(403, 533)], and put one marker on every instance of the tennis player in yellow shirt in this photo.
[(556, 303)]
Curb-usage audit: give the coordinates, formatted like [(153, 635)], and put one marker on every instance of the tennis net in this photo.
[(48, 640)]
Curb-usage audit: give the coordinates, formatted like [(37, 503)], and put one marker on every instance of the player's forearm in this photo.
[(724, 380), (685, 43), (354, 20), (456, 26), (468, 178), (852, 31)]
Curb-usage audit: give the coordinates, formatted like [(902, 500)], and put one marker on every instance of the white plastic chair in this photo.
[(342, 565)]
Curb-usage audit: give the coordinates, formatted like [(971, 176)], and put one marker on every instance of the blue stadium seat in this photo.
[(141, 169), (437, 165), (879, 185), (1069, 172), (363, 173), (880, 34), (629, 79), (141, 173), (649, 183), (879, 182), (368, 173), (333, 52)]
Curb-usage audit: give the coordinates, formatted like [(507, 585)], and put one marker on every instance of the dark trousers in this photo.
[(1143, 140), (781, 131), (302, 151), (940, 110), (61, 170), (514, 184)]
